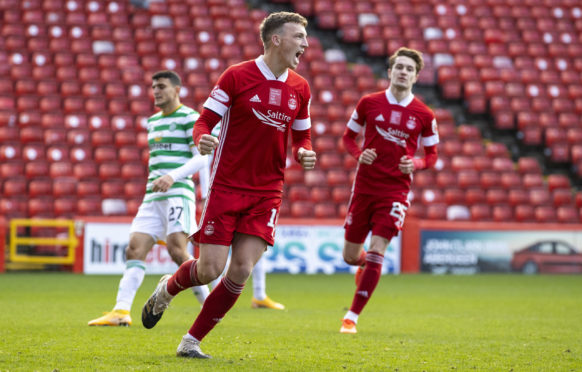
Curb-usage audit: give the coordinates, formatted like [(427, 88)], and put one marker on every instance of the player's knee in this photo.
[(352, 252), (209, 271), (135, 252), (350, 258)]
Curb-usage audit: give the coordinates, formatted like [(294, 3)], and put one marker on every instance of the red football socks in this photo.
[(219, 301), (184, 277), (369, 279)]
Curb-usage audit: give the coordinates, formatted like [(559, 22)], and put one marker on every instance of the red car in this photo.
[(547, 257)]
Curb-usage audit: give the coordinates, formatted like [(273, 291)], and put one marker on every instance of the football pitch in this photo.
[(412, 323)]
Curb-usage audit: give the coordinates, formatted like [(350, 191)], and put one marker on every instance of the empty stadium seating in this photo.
[(74, 94)]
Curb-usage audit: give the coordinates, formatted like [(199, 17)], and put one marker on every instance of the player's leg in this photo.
[(368, 281), (246, 251), (139, 245), (182, 222), (357, 228), (354, 254), (260, 298), (177, 244), (190, 273)]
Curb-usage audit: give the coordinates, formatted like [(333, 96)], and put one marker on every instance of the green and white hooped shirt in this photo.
[(171, 146)]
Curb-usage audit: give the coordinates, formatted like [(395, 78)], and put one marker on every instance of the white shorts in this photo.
[(161, 218)]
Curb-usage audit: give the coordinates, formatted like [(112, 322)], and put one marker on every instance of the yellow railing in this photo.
[(15, 241)]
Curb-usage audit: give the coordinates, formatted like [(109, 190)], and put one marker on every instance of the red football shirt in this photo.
[(394, 129), (257, 110)]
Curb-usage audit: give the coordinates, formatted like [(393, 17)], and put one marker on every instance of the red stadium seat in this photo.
[(446, 179), (330, 160), (129, 154), (298, 193), (437, 211), (480, 212), (496, 149), (134, 189), (341, 194), (89, 187), (501, 213), (85, 170), (112, 189), (490, 179), (133, 170), (10, 169), (558, 181), (524, 213), (105, 154), (545, 214), (453, 196), (503, 165), (459, 162), (64, 186), (325, 210), (109, 170), (61, 169), (562, 197), (15, 186), (90, 206), (14, 207), (65, 207), (496, 196), (532, 180), (567, 214), (539, 196), (337, 177), (37, 168), (320, 194), (468, 178), (302, 209), (430, 195), (40, 207)]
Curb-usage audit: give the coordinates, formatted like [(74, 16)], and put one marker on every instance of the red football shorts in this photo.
[(228, 212), (382, 215)]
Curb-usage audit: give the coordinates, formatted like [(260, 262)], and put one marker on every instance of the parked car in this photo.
[(547, 257)]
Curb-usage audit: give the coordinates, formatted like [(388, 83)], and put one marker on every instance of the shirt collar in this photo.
[(393, 101), (266, 71)]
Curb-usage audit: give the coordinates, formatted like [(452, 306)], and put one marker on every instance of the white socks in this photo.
[(352, 316), (260, 280), (201, 292), (129, 284)]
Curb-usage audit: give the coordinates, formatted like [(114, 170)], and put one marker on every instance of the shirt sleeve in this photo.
[(220, 98), (430, 135)]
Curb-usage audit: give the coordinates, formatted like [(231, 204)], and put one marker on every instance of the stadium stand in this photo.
[(74, 79)]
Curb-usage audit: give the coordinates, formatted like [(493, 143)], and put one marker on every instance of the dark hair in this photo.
[(170, 75), (410, 53), (275, 21)]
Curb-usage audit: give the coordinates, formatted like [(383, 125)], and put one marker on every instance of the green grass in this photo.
[(412, 323)]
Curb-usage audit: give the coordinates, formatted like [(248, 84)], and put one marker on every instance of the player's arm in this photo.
[(429, 139), (205, 141), (409, 164), (301, 134), (301, 147), (366, 156)]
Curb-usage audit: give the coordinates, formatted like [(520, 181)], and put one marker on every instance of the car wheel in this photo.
[(530, 267)]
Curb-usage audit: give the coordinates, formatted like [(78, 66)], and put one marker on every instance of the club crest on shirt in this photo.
[(172, 127), (275, 97), (292, 102), (395, 117), (411, 123), (219, 94)]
